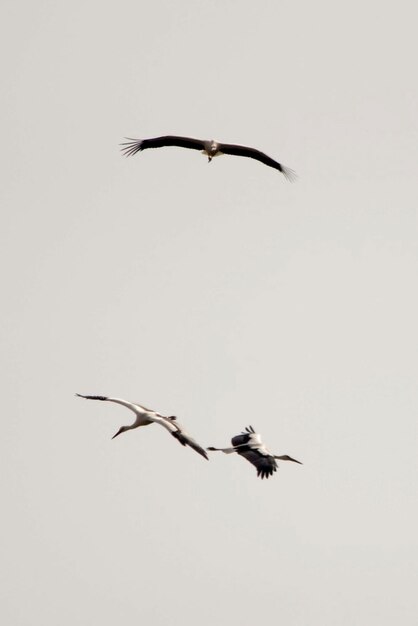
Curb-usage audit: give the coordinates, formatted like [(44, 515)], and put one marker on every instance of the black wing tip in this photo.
[(131, 147), (266, 473), (267, 470), (199, 450), (185, 441), (289, 174)]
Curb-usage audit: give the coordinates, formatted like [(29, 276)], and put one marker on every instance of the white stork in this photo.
[(249, 445), (146, 416), (209, 147)]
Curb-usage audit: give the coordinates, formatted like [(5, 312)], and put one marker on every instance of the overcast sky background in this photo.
[(220, 293)]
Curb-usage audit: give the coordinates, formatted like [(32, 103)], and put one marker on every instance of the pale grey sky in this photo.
[(219, 293)]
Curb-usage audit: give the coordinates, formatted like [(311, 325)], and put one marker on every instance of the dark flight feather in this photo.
[(185, 440), (252, 153), (132, 146)]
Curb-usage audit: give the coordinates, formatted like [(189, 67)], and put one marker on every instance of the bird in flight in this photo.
[(249, 445), (209, 147), (146, 416)]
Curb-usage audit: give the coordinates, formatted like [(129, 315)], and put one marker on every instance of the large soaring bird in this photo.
[(209, 147), (249, 445), (146, 416)]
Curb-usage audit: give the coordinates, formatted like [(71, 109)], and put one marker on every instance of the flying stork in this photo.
[(147, 416), (249, 445), (210, 147)]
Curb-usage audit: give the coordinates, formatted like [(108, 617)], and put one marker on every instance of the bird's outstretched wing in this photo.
[(186, 440), (252, 153), (266, 465), (132, 146), (130, 405)]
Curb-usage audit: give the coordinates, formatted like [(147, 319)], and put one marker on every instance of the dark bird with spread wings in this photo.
[(147, 416), (249, 445), (209, 147)]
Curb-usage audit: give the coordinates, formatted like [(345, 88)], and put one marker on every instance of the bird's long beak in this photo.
[(286, 457), (118, 433)]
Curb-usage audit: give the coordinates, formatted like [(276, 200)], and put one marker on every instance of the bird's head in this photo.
[(286, 457), (172, 418), (121, 430)]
